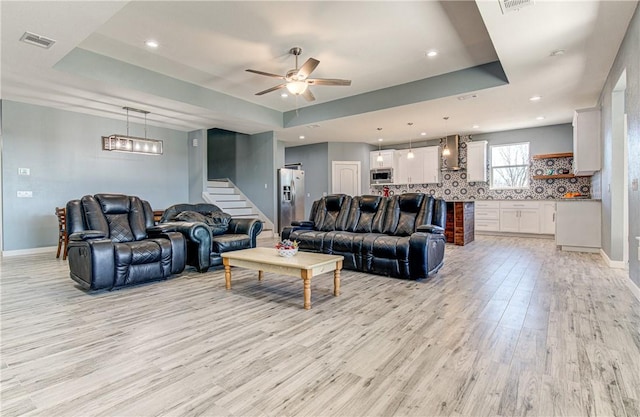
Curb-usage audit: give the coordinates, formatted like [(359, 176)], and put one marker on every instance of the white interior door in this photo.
[(345, 177)]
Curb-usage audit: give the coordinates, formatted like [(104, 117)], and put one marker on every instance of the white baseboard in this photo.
[(613, 264), (32, 251)]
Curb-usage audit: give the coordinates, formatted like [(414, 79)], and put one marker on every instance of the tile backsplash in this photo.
[(453, 185)]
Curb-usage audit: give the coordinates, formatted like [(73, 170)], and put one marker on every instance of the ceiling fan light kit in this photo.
[(297, 80)]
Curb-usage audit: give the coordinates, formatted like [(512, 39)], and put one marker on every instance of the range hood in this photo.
[(451, 162)]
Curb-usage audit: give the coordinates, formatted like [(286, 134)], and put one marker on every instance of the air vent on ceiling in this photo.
[(514, 5), (37, 40)]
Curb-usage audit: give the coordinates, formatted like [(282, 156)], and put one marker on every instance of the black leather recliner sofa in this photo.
[(206, 242), (113, 243), (400, 236)]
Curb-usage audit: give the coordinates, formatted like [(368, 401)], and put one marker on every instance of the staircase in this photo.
[(224, 194)]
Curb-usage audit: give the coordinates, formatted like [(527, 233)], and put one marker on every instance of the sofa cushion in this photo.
[(230, 242)]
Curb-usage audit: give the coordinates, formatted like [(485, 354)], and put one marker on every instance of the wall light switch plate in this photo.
[(195, 143), (634, 184), (24, 171), (25, 194)]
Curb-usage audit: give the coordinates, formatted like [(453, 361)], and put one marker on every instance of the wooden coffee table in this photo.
[(304, 265)]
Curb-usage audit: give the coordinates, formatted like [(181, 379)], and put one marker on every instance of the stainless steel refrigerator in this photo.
[(290, 196)]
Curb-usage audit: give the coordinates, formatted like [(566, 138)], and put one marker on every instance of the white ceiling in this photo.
[(205, 47)]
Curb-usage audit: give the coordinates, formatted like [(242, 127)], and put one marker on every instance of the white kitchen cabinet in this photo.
[(477, 161), (520, 217), (578, 225), (431, 158), (487, 216), (423, 168), (387, 159), (548, 217), (586, 142)]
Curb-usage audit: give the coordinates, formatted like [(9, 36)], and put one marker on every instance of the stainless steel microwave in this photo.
[(382, 176)]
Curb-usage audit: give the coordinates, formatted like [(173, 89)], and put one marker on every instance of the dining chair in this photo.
[(63, 238)]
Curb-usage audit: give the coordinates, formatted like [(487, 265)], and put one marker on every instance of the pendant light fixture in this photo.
[(445, 150), (126, 143), (410, 155), (379, 158)]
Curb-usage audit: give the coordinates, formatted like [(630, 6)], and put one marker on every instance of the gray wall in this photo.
[(316, 172), (628, 59), (197, 165), (256, 169), (223, 154), (63, 151)]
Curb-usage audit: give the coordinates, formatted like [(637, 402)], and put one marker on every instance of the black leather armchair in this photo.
[(204, 244), (112, 243)]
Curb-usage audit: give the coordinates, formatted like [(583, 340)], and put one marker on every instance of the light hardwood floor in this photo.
[(508, 327)]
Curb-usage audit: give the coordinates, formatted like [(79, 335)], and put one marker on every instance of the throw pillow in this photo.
[(191, 216)]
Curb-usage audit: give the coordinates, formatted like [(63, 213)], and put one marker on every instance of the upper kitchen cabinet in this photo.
[(477, 161), (387, 159), (586, 142), (423, 168)]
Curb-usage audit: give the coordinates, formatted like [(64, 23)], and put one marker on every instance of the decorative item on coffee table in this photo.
[(287, 248)]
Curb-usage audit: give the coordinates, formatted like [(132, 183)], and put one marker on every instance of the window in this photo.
[(510, 166)]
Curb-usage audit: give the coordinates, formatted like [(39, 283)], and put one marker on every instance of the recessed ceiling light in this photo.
[(284, 95), (475, 126), (380, 139), (423, 133), (467, 97), (301, 137), (557, 52), (540, 118), (431, 54), (534, 98), (151, 43)]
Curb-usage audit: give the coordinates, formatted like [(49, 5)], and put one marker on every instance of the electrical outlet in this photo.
[(25, 194), (634, 184), (24, 171), (265, 186)]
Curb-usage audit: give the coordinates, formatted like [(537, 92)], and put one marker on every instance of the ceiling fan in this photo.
[(297, 80)]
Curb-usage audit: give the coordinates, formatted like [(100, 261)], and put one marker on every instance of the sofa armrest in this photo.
[(303, 223), (92, 262), (251, 227), (198, 238), (178, 248), (430, 228), (86, 235)]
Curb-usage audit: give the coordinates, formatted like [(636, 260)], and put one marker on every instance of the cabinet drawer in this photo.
[(482, 214), (487, 225), (487, 204), (518, 205)]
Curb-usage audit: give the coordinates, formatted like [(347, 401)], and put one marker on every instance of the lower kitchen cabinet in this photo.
[(509, 216), (578, 225), (519, 217)]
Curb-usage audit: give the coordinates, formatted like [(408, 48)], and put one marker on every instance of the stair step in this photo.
[(220, 190), (231, 204), (226, 197), (218, 184), (239, 211)]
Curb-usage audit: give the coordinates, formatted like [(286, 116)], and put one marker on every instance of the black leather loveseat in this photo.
[(400, 236), (113, 243), (209, 232)]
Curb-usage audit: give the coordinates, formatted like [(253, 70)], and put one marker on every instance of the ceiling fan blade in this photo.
[(328, 81), (268, 74), (307, 68), (268, 90), (308, 95)]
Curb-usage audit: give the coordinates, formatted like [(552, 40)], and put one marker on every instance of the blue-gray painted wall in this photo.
[(628, 59), (64, 152), (314, 160)]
